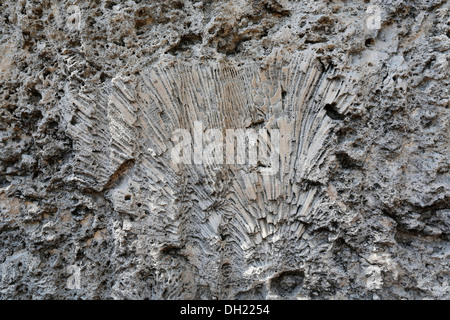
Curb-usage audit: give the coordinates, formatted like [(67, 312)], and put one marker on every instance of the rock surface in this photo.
[(92, 205)]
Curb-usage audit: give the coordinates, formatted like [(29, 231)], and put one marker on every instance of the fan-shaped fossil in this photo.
[(200, 221)]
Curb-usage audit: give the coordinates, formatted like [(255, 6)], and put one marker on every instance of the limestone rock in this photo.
[(345, 104)]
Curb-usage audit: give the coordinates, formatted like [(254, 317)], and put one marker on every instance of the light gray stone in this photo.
[(92, 205)]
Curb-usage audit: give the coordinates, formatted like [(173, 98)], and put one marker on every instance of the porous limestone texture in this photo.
[(92, 205)]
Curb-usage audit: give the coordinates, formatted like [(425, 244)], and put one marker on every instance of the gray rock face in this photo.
[(97, 95)]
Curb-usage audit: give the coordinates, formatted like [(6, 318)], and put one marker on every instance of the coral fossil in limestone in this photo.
[(222, 212)]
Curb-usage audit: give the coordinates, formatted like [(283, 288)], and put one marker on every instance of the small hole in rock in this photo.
[(332, 112), (370, 42)]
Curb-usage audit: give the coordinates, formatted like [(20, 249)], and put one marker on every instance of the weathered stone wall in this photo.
[(92, 205)]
